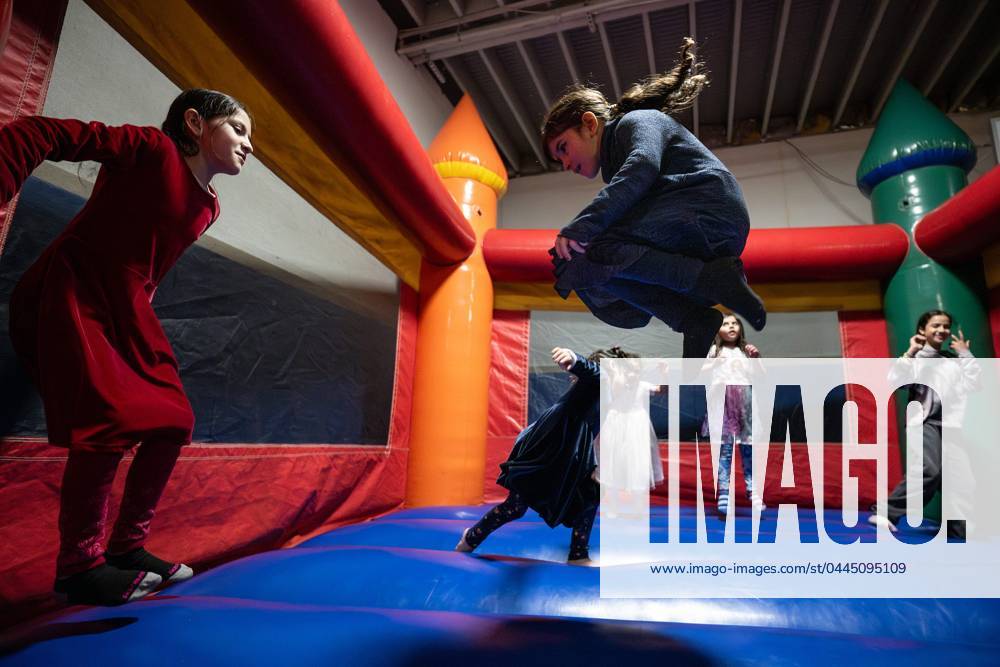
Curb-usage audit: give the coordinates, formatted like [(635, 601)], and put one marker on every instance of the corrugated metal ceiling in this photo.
[(949, 49)]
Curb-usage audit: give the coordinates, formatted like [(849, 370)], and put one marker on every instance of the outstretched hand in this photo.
[(959, 344), (564, 358), (565, 247), (917, 343)]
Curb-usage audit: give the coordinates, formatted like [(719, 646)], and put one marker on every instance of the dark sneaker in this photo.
[(700, 330), (723, 282), (106, 586), (140, 559), (463, 544)]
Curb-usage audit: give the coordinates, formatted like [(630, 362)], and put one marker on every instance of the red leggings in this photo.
[(86, 490)]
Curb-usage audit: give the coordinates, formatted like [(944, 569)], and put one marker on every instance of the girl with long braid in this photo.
[(663, 237)]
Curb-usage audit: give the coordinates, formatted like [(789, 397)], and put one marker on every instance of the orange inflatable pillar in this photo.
[(451, 378)]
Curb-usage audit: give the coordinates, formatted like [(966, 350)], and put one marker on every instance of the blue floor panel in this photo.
[(393, 592)]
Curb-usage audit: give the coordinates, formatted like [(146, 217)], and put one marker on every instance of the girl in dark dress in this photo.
[(551, 467), (663, 237), (82, 323)]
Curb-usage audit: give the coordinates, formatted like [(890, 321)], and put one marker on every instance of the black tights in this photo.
[(514, 508)]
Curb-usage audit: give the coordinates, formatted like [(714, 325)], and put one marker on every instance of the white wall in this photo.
[(780, 189), (416, 92), (264, 223)]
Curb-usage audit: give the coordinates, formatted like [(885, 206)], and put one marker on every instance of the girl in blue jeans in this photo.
[(733, 377)]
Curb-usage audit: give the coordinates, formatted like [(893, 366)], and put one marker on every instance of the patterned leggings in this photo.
[(514, 508)]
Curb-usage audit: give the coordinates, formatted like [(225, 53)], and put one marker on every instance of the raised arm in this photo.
[(585, 369), (571, 362), (971, 370), (645, 142), (27, 142)]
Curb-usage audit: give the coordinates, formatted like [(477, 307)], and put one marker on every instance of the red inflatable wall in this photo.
[(508, 407), (863, 334), (222, 502)]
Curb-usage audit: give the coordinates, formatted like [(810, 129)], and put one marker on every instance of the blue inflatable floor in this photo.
[(393, 592)]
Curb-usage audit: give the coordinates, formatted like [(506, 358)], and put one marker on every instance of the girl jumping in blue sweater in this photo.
[(663, 237)]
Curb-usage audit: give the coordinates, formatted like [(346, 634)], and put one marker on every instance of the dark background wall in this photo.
[(262, 361)]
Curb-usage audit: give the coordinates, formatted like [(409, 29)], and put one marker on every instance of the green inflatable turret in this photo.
[(916, 160)]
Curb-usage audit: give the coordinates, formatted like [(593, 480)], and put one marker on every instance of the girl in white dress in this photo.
[(628, 453)]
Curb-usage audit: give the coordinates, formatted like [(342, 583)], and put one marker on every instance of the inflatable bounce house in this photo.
[(313, 553)]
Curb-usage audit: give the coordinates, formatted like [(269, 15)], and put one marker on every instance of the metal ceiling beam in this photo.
[(536, 75), (734, 63), (503, 83), (528, 27), (955, 43), (692, 29), (507, 90), (638, 7), (417, 10), (904, 56), (610, 58), (469, 86), (647, 31), (422, 29), (859, 62), (974, 76), (568, 55), (824, 41), (533, 70), (779, 45)]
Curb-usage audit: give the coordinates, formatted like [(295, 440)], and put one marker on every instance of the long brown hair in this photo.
[(741, 342), (670, 92)]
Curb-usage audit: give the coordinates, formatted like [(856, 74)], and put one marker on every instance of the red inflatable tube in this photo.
[(772, 255), (965, 225), (519, 255), (310, 59), (867, 252)]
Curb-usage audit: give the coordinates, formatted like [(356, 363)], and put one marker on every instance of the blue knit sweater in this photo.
[(663, 185)]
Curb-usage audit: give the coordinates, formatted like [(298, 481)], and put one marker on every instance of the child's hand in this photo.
[(565, 247), (959, 344), (917, 343), (751, 350), (563, 357)]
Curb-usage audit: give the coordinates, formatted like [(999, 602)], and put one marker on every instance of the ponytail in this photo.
[(668, 92), (671, 91)]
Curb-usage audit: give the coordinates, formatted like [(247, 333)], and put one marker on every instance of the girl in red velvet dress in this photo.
[(82, 324)]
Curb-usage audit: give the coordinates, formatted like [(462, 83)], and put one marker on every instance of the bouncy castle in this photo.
[(320, 512)]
